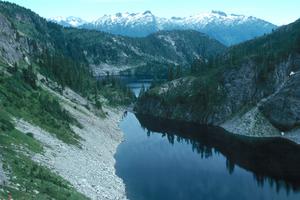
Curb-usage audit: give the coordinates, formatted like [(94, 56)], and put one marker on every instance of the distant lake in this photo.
[(169, 160)]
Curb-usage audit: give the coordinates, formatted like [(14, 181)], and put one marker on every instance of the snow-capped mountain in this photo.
[(128, 24), (227, 28), (68, 21)]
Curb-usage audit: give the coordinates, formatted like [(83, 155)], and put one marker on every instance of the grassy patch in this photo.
[(28, 180), (34, 181), (36, 106)]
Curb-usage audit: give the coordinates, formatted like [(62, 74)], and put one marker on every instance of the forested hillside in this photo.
[(247, 75), (152, 55)]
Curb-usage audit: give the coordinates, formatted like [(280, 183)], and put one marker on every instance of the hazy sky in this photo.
[(276, 11)]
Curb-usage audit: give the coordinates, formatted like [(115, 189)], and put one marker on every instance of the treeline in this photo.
[(66, 72), (265, 52), (116, 92), (79, 77)]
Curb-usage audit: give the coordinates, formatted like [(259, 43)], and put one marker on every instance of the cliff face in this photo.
[(9, 46), (265, 76)]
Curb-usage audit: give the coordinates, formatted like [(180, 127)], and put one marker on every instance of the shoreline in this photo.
[(254, 124), (250, 124)]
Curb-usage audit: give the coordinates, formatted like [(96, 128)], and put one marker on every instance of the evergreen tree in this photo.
[(178, 73), (142, 91), (170, 73), (30, 77)]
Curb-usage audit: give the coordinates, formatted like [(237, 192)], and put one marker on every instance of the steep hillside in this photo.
[(258, 73), (53, 112), (227, 28)]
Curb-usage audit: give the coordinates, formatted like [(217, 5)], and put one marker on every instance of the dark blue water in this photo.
[(161, 160)]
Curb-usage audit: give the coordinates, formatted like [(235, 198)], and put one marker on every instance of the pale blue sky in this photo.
[(276, 11)]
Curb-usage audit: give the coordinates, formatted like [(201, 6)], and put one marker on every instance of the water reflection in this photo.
[(274, 161)]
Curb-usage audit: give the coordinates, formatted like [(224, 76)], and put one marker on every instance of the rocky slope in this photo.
[(258, 73), (58, 125), (90, 168), (227, 28)]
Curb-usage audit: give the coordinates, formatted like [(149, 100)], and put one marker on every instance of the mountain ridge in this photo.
[(235, 28)]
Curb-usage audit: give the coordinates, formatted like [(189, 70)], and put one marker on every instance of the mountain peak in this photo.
[(68, 21), (147, 12), (144, 23), (119, 14), (219, 13)]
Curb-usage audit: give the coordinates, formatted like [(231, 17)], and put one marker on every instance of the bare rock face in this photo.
[(283, 110), (9, 47)]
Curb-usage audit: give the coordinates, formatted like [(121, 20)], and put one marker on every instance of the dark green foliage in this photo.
[(14, 69), (30, 134), (29, 76), (142, 91), (57, 52), (65, 72), (28, 174), (37, 106), (5, 124), (98, 104), (202, 94), (266, 51), (175, 72), (115, 91), (171, 75), (49, 104), (103, 47)]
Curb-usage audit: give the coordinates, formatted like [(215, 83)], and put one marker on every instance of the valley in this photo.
[(135, 106)]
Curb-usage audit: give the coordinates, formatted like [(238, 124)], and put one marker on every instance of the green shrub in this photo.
[(30, 135), (5, 124)]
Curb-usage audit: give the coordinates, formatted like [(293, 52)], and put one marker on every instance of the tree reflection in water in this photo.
[(275, 161)]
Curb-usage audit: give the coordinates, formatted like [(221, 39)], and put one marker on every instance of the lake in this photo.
[(164, 159)]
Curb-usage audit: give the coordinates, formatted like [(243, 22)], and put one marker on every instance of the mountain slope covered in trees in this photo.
[(261, 73), (142, 56)]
